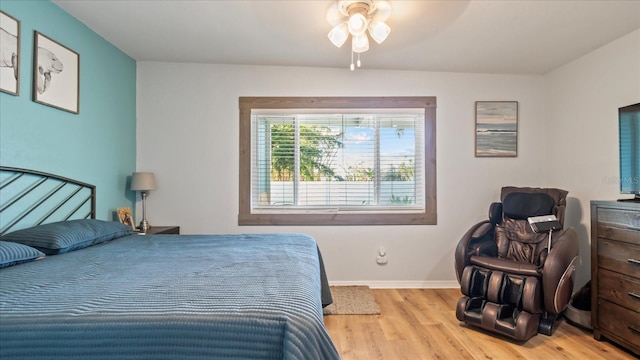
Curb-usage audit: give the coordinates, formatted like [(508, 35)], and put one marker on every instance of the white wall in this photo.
[(582, 101), (188, 135)]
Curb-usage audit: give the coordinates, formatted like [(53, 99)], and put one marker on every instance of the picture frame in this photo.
[(496, 129), (56, 74), (126, 216), (9, 54)]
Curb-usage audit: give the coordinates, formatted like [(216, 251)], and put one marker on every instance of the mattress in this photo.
[(249, 296)]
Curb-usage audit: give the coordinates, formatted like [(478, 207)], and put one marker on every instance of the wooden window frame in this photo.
[(428, 217)]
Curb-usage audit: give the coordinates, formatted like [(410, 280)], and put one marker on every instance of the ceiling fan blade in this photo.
[(334, 16), (383, 10)]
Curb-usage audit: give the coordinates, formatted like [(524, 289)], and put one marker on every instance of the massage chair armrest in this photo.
[(478, 240), (558, 270)]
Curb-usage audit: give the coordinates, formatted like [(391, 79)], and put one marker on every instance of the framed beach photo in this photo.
[(56, 74), (9, 54), (496, 128)]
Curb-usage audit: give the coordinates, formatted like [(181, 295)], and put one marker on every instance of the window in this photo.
[(337, 161)]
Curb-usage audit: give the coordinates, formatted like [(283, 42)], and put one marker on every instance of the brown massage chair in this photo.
[(512, 283)]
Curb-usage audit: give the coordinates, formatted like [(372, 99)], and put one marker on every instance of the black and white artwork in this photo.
[(56, 74), (9, 54)]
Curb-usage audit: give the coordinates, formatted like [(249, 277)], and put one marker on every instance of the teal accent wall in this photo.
[(96, 146)]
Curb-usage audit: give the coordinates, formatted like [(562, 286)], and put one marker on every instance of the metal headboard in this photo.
[(29, 198)]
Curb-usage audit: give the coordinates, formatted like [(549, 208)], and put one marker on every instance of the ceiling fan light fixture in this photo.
[(357, 24), (379, 31), (358, 17), (339, 35), (360, 43)]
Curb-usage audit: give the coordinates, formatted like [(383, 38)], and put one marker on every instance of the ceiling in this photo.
[(479, 36)]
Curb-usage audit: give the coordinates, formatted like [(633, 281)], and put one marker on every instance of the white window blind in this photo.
[(345, 161)]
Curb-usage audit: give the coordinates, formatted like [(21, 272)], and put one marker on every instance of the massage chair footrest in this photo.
[(503, 319)]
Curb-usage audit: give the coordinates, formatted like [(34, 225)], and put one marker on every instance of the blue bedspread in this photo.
[(169, 297)]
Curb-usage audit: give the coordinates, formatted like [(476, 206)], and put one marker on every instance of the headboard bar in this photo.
[(78, 208), (11, 180), (29, 195), (24, 193), (35, 205)]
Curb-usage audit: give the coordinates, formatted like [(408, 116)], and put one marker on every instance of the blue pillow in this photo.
[(14, 253), (65, 236)]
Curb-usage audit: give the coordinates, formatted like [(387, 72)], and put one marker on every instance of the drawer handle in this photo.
[(632, 294), (634, 261), (634, 329)]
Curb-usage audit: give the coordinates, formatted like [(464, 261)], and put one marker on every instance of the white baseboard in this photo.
[(400, 284)]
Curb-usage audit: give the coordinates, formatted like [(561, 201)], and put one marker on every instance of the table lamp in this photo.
[(143, 182)]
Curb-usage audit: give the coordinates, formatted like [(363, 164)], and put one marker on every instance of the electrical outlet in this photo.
[(381, 259), (382, 251)]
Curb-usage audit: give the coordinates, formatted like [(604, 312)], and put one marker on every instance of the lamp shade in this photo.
[(143, 181)]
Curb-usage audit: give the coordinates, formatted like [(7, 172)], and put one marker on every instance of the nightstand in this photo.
[(156, 230)]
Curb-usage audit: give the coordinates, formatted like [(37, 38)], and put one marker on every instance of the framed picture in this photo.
[(125, 216), (56, 74), (496, 128), (9, 54)]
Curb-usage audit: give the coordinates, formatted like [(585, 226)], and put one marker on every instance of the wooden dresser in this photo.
[(615, 272)]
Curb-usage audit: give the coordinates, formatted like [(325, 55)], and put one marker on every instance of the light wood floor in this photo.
[(421, 324)]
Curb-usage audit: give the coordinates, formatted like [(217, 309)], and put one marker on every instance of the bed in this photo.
[(72, 286)]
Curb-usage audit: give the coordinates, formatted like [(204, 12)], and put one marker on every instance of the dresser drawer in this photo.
[(621, 322), (619, 218), (627, 234), (616, 224), (620, 289), (619, 257)]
